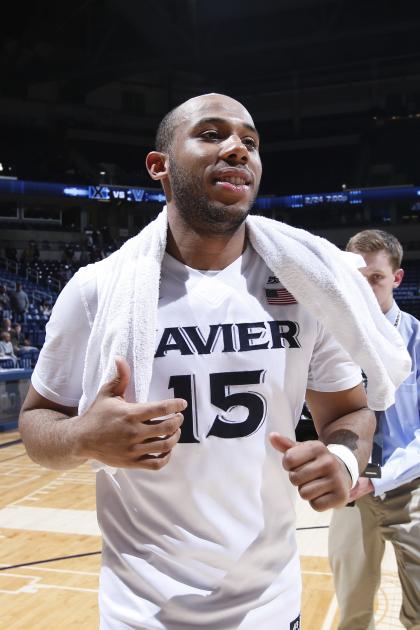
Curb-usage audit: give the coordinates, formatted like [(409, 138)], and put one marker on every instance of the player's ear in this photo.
[(157, 165), (398, 277)]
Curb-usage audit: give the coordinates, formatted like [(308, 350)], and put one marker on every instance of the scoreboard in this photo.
[(107, 193)]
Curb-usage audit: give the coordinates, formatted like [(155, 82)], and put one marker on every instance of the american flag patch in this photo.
[(279, 296)]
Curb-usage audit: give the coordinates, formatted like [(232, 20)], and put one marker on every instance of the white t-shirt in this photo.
[(209, 540)]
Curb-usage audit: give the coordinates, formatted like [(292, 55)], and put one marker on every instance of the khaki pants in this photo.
[(357, 538)]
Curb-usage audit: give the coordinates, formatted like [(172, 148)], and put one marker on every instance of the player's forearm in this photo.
[(354, 430), (51, 438)]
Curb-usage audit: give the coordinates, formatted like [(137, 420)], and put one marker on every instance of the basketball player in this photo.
[(386, 508), (198, 520)]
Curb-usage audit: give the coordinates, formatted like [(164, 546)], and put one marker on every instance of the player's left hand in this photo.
[(321, 477)]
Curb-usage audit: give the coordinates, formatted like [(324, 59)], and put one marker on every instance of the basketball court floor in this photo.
[(50, 552)]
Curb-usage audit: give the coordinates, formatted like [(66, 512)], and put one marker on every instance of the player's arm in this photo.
[(344, 418), (340, 418), (48, 432), (112, 430)]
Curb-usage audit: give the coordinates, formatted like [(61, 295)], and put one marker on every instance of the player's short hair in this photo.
[(374, 241), (166, 131)]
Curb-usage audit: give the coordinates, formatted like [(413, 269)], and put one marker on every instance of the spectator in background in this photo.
[(22, 345), (77, 254), (19, 302), (97, 239), (386, 508), (109, 243), (84, 257), (65, 274), (17, 337), (107, 239), (93, 244), (88, 236), (6, 348), (68, 253), (30, 253), (6, 325), (4, 302), (98, 248), (45, 308)]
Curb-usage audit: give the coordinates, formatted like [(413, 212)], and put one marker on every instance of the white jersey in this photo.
[(209, 540)]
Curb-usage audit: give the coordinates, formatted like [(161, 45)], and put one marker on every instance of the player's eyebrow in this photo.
[(215, 120)]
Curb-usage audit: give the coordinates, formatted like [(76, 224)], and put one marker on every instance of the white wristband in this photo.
[(348, 458)]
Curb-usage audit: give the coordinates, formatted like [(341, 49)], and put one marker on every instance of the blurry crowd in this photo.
[(94, 245), (16, 347), (14, 302)]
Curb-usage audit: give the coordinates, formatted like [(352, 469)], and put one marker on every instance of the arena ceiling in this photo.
[(231, 45), (307, 69)]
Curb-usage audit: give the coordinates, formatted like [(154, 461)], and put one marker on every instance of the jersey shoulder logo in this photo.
[(273, 280), (279, 296)]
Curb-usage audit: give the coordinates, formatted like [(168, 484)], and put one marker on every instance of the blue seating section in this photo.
[(33, 322)]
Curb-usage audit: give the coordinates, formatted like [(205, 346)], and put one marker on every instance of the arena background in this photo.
[(334, 89)]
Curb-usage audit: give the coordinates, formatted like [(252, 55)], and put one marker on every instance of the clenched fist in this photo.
[(321, 477)]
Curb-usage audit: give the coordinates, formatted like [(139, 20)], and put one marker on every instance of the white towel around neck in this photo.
[(322, 278)]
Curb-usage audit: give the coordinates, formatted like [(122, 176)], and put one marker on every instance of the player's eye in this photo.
[(211, 134), (251, 143)]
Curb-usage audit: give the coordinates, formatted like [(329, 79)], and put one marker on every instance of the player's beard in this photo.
[(198, 211)]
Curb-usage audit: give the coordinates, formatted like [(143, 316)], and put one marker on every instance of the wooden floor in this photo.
[(50, 552)]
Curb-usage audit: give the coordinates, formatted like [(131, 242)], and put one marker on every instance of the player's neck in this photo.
[(205, 252), (387, 304)]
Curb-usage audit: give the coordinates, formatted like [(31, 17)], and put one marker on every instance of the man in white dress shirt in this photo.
[(386, 508)]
